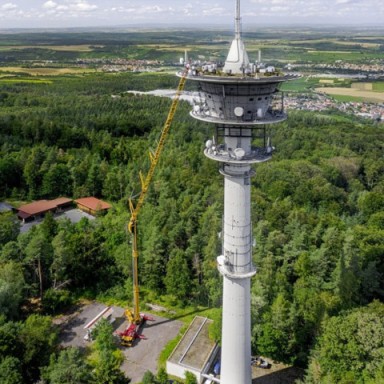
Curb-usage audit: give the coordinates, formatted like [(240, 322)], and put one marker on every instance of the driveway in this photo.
[(143, 356)]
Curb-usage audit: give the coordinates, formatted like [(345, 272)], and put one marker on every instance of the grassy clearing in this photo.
[(47, 71), (356, 93), (173, 309), (168, 349)]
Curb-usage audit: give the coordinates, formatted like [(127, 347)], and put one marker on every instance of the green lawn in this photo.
[(346, 99), (378, 86), (302, 84)]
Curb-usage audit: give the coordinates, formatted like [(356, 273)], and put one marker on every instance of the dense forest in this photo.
[(318, 219)]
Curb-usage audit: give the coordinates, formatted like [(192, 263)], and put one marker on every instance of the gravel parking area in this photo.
[(75, 215), (142, 356)]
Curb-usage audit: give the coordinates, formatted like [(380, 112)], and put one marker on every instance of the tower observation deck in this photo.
[(241, 103)]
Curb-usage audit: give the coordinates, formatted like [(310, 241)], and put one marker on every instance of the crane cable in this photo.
[(145, 183)]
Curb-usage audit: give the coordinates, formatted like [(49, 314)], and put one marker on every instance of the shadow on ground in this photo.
[(283, 376)]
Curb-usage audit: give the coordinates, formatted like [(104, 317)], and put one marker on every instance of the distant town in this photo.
[(309, 101), (322, 102)]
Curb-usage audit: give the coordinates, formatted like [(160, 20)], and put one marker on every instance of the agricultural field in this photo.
[(361, 91), (277, 46), (352, 92), (64, 48), (43, 71), (378, 86), (308, 83)]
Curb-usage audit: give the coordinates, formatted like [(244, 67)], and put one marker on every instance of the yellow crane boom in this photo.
[(134, 317)]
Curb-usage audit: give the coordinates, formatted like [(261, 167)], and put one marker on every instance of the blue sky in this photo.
[(85, 13)]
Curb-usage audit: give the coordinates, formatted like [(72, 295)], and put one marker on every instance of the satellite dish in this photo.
[(239, 153), (221, 260), (239, 111)]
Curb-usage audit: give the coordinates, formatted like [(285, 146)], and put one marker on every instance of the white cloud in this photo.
[(49, 5), (214, 11), (114, 12), (83, 6), (279, 9), (8, 7), (72, 5)]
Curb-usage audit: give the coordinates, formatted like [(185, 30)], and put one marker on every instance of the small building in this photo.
[(195, 352), (92, 205), (39, 208)]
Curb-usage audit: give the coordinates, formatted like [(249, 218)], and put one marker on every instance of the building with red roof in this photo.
[(40, 208), (92, 205)]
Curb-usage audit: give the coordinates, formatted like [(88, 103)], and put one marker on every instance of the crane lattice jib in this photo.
[(145, 183), (154, 158)]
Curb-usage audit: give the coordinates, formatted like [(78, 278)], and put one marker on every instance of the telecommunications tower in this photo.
[(240, 100)]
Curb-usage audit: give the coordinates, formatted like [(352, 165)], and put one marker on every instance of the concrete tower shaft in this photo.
[(235, 264), (238, 106)]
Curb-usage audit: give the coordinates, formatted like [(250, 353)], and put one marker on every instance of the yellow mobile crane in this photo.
[(134, 318)]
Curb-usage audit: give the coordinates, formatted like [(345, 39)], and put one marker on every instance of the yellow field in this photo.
[(64, 48), (362, 86), (367, 95), (47, 71), (16, 79)]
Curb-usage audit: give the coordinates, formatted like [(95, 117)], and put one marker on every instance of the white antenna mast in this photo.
[(237, 59), (238, 21)]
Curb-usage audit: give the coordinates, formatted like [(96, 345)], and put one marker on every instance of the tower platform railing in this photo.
[(229, 155), (235, 271)]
